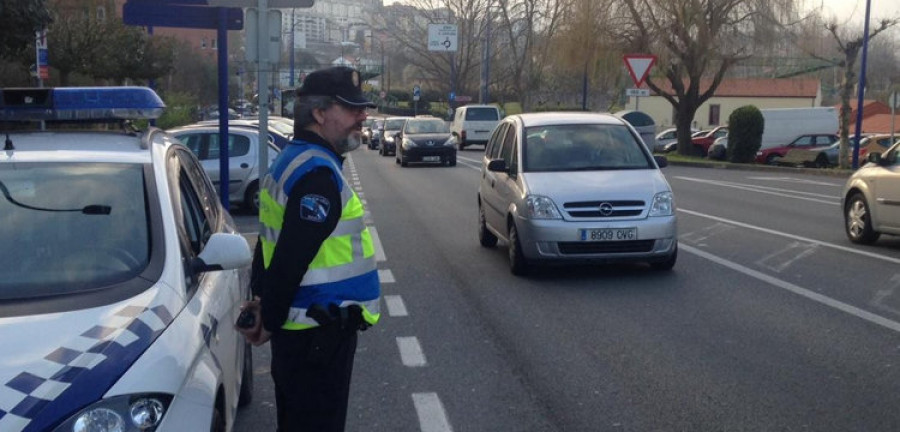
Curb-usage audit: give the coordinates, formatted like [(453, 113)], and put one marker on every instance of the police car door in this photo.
[(214, 297)]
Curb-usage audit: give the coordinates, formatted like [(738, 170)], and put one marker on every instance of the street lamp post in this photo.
[(291, 79)]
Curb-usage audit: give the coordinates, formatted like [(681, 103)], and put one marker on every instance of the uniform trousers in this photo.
[(311, 370)]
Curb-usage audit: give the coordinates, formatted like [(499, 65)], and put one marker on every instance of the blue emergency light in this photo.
[(79, 104)]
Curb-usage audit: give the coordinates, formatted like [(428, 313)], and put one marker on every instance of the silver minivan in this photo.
[(871, 197), (575, 187)]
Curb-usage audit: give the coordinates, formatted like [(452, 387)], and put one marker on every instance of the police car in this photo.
[(121, 275)]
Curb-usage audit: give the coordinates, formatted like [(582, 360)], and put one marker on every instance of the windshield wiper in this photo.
[(93, 209)]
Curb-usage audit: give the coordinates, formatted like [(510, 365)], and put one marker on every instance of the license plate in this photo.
[(431, 158), (609, 234)]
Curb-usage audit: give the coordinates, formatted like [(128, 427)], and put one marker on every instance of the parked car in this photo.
[(672, 146), (666, 137), (871, 143), (122, 273), (701, 142), (281, 130), (243, 159), (771, 155), (870, 198), (473, 124), (425, 139), (719, 149), (392, 127), (575, 187)]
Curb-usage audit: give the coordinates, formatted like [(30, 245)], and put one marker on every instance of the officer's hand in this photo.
[(256, 334)]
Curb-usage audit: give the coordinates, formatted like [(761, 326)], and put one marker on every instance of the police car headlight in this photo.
[(540, 207), (663, 204), (130, 413)]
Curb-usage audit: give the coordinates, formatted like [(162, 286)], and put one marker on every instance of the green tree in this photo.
[(745, 129), (19, 20), (73, 44), (129, 53)]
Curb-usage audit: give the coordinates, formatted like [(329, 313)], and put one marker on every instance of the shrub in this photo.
[(745, 128), (179, 110)]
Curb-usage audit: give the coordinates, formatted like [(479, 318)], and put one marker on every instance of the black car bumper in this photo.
[(430, 154)]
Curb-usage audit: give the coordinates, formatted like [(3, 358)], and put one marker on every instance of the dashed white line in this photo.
[(395, 306), (385, 276), (376, 241), (432, 417), (410, 351)]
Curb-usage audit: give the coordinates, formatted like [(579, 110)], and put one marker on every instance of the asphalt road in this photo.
[(771, 319)]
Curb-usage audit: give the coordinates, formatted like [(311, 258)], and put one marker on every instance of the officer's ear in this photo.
[(319, 115)]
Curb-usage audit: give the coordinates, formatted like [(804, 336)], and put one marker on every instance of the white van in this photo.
[(473, 124), (785, 124)]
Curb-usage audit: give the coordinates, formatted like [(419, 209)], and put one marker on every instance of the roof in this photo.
[(758, 87), (572, 117), (870, 107), (878, 123), (77, 146)]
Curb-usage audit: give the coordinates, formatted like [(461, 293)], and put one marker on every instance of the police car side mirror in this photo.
[(223, 251), (497, 165)]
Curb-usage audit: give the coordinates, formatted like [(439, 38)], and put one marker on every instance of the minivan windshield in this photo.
[(393, 124), (482, 114), (85, 225), (582, 147)]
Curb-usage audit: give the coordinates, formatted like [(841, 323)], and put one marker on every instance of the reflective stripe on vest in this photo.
[(344, 271)]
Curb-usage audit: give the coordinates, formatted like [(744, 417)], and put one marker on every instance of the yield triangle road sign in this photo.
[(639, 66)]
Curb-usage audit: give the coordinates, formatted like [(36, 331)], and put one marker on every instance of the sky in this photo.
[(856, 9)]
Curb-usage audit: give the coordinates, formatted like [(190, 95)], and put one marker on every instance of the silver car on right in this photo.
[(871, 198), (575, 187)]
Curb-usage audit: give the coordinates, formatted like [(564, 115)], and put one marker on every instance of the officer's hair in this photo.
[(303, 110)]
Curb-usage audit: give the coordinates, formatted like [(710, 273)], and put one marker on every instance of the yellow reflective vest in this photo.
[(344, 271)]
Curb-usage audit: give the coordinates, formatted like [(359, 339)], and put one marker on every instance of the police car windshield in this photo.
[(85, 226)]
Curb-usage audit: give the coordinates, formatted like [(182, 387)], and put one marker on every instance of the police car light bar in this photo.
[(79, 104)]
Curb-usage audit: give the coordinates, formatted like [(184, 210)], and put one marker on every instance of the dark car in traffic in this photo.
[(425, 139)]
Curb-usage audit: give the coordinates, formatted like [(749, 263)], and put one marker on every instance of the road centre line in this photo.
[(814, 296), (792, 236), (410, 351), (768, 190), (432, 417), (395, 306), (376, 241), (385, 276)]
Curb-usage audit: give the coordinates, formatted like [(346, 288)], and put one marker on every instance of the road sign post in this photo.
[(638, 67)]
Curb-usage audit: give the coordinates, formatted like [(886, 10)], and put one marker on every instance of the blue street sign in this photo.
[(417, 91), (452, 96), (140, 13), (42, 57)]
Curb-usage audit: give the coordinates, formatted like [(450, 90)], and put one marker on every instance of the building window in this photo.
[(101, 13), (203, 43), (714, 115), (213, 44)]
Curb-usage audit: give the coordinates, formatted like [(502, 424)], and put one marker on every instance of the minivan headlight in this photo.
[(540, 207), (663, 204), (128, 413)]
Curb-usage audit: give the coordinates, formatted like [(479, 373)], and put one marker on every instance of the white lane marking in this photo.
[(471, 163), (796, 180), (698, 237), (376, 241), (883, 296), (432, 417), (814, 296), (395, 306), (770, 191), (385, 276), (787, 256), (410, 351), (795, 237)]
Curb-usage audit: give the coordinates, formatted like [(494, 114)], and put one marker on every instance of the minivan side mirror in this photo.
[(662, 161), (497, 165)]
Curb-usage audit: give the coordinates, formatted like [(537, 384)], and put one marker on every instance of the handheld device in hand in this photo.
[(247, 319)]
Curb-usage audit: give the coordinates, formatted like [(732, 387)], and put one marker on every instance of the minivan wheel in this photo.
[(858, 221), (251, 196), (485, 236), (518, 264), (245, 396)]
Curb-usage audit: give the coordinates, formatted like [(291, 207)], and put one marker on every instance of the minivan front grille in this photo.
[(595, 209), (584, 248)]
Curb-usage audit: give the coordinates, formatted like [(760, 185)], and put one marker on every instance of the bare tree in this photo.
[(439, 70), (526, 28), (849, 43), (697, 41)]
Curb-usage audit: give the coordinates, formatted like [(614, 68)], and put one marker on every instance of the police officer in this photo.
[(314, 269)]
